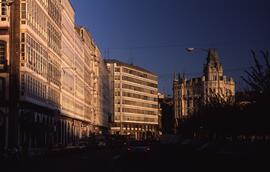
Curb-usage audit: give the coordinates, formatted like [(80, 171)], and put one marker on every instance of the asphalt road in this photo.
[(159, 158), (81, 161)]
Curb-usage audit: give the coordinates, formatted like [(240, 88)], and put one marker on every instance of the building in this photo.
[(104, 100), (160, 124), (135, 101), (97, 77), (49, 75), (167, 116), (189, 95)]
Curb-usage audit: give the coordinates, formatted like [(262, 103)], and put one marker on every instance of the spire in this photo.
[(213, 56), (174, 76), (213, 64), (182, 77), (179, 77)]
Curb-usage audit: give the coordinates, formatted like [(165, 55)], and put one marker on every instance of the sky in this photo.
[(153, 34)]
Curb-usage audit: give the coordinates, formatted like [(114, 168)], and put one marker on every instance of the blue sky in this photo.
[(153, 34)]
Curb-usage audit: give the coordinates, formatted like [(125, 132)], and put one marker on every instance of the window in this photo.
[(23, 11), (117, 77), (2, 55), (3, 10), (149, 84), (139, 74)]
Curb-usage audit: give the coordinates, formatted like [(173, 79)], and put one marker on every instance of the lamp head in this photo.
[(190, 49)]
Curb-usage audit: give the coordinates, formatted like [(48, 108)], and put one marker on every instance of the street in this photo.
[(69, 162), (159, 158)]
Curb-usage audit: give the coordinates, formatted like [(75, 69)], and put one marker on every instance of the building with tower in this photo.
[(190, 94)]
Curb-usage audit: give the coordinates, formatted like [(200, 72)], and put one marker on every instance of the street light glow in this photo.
[(190, 49)]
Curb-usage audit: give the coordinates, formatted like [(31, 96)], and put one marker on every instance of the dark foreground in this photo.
[(159, 158)]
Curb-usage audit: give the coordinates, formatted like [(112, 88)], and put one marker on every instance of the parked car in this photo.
[(138, 146), (101, 141)]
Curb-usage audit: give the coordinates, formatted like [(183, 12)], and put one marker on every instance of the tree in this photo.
[(222, 118), (216, 119), (258, 78)]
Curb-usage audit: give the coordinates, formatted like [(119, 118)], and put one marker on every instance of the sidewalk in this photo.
[(35, 153)]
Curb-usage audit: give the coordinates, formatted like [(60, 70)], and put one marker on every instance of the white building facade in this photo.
[(50, 76), (135, 101)]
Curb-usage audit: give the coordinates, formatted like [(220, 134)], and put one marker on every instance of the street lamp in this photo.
[(190, 50)]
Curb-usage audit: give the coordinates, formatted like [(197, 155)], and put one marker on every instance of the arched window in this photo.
[(3, 54)]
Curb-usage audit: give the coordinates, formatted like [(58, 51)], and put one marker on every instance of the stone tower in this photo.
[(213, 69), (191, 94)]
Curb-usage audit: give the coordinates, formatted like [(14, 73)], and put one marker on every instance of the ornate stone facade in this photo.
[(189, 95)]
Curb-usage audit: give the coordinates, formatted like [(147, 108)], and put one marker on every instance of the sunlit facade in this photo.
[(51, 94), (135, 100)]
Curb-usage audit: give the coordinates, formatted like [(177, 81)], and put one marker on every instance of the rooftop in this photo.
[(128, 65)]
